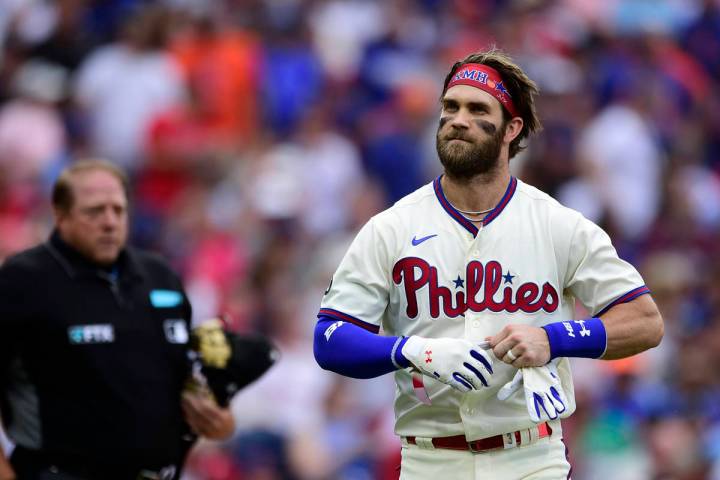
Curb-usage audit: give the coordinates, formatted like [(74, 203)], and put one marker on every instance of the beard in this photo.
[(466, 159)]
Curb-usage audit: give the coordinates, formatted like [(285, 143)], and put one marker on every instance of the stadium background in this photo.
[(261, 134)]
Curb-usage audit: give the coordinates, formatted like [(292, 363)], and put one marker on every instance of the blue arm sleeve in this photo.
[(352, 351)]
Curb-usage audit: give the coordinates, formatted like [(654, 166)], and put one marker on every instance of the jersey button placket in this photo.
[(475, 252), (472, 322)]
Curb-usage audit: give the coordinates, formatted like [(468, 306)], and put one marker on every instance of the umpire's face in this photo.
[(97, 222)]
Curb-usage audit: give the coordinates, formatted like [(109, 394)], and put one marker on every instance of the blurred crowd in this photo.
[(261, 134)]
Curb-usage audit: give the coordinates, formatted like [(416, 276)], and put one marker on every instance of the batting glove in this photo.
[(453, 361), (544, 395)]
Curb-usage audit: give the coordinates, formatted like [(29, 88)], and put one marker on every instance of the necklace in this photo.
[(466, 212)]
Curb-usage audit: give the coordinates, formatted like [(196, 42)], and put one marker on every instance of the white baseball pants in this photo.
[(544, 459)]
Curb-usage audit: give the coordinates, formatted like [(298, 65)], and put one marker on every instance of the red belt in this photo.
[(459, 442)]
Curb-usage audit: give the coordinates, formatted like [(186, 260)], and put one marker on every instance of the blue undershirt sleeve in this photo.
[(350, 350)]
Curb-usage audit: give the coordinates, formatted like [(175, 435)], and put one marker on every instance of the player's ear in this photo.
[(512, 129)]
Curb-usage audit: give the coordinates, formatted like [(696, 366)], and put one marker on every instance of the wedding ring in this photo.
[(511, 356)]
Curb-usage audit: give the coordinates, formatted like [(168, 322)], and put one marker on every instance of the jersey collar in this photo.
[(464, 222), (76, 265)]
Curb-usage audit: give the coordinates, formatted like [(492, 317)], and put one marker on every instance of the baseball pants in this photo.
[(544, 459)]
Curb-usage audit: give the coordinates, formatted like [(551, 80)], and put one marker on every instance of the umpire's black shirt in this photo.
[(93, 361)]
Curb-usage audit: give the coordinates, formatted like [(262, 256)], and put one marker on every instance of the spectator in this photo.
[(123, 85)]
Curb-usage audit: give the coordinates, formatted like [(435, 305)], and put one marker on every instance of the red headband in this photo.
[(487, 79)]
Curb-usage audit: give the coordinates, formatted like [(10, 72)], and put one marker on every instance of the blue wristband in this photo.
[(577, 338)]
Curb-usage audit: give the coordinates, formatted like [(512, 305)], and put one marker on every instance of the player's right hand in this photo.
[(456, 362)]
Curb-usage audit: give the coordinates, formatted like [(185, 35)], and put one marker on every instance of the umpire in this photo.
[(93, 347)]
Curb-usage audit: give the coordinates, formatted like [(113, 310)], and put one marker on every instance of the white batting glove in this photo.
[(456, 362), (544, 396)]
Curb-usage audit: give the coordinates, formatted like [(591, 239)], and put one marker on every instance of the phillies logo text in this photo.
[(483, 283)]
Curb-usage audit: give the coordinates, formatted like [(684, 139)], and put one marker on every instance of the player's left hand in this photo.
[(521, 346), (206, 418), (544, 396)]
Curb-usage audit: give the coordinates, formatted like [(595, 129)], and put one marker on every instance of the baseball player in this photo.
[(473, 280)]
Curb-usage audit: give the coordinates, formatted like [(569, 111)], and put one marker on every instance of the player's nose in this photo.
[(461, 120)]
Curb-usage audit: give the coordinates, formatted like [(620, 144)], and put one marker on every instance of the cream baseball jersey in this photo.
[(421, 268)]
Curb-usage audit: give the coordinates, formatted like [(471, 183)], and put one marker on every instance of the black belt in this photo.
[(30, 463)]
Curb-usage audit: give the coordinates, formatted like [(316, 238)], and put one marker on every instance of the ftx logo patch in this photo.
[(88, 334)]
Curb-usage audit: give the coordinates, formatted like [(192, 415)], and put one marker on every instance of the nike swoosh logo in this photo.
[(418, 241)]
